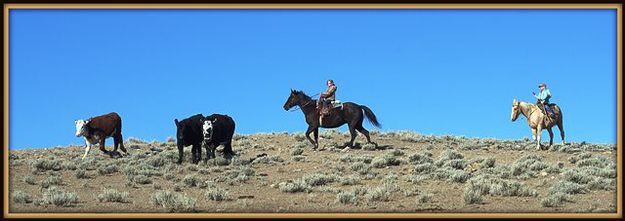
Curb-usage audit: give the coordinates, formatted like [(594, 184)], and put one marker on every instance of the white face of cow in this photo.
[(80, 127), (207, 130)]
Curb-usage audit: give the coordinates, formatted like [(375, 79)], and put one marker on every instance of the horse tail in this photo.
[(561, 117), (370, 116)]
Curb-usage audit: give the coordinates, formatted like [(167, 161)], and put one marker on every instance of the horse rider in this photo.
[(326, 98), (543, 99)]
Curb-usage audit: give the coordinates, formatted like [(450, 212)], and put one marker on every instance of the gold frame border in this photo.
[(619, 77)]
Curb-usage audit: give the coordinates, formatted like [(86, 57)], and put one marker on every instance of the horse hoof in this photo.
[(346, 149)]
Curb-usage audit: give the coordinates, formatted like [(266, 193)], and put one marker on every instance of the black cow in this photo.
[(218, 130), (189, 132)]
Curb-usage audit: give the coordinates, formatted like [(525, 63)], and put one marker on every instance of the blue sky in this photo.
[(435, 72)]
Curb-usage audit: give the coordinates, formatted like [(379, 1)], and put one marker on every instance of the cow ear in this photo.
[(176, 121)]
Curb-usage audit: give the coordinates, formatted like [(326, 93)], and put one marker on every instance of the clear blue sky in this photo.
[(435, 72)]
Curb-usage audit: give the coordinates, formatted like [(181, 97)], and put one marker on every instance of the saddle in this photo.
[(552, 107), (326, 110), (332, 108), (336, 104)]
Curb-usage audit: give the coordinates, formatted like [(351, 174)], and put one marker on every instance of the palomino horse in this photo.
[(351, 114), (537, 120)]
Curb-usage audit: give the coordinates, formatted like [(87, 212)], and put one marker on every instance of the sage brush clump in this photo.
[(529, 166), (346, 197), (319, 179), (216, 194), (174, 202), (108, 169), (30, 180), (192, 180), (494, 186), (294, 186), (51, 181), (555, 200), (42, 165), (112, 195), (385, 160), (21, 197), (141, 179), (421, 158), (58, 197)]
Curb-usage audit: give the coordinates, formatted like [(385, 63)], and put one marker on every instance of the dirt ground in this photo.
[(262, 191)]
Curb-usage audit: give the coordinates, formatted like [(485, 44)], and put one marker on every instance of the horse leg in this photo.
[(561, 128), (316, 135), (308, 131), (365, 132), (539, 131), (352, 132), (550, 136), (533, 134)]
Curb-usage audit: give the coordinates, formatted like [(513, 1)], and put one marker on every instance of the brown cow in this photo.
[(97, 129)]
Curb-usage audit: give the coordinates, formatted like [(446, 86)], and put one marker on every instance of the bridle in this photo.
[(304, 105), (518, 107)]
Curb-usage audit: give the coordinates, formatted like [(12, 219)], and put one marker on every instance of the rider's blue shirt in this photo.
[(544, 95)]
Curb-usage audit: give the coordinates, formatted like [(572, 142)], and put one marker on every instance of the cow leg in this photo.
[(210, 152), (87, 149), (180, 153), (228, 153), (102, 141), (199, 153), (308, 131), (195, 152), (121, 142), (115, 144), (213, 148)]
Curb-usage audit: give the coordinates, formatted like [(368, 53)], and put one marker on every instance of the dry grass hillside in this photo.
[(279, 172)]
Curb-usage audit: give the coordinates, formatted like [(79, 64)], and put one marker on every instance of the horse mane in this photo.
[(301, 93), (528, 104)]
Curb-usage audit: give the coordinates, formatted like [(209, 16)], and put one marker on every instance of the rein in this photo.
[(299, 108), (531, 110)]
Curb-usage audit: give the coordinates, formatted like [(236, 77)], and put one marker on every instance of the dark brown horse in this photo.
[(350, 114)]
